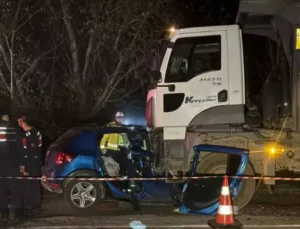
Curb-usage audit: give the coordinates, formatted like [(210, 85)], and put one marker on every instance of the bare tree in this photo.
[(20, 54), (106, 47), (75, 57)]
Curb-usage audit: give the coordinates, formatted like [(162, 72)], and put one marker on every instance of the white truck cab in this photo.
[(202, 81)]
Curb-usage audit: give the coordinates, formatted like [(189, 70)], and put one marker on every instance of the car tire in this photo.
[(209, 163), (72, 189)]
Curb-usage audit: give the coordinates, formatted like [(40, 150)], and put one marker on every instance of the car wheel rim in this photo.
[(83, 194)]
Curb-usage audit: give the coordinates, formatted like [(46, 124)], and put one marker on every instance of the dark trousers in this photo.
[(32, 188), (13, 187), (32, 193)]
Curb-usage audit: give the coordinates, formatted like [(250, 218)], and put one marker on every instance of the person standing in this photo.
[(32, 143), (113, 140), (9, 167)]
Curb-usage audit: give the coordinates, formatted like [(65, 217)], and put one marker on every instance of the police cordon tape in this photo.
[(151, 178)]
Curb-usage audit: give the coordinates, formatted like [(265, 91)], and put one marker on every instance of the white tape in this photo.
[(225, 191), (225, 210), (115, 226), (2, 140), (3, 128), (158, 226), (273, 226)]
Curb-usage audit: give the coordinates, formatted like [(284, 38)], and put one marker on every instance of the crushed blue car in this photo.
[(77, 154)]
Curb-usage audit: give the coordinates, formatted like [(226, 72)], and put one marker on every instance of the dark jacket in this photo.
[(32, 142), (4, 144), (11, 150), (17, 146)]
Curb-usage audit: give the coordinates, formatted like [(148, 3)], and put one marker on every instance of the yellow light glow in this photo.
[(298, 39), (272, 150), (172, 29)]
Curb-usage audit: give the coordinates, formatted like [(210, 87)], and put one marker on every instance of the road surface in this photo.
[(280, 210)]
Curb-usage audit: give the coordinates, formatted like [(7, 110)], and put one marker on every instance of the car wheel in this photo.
[(84, 195), (217, 164)]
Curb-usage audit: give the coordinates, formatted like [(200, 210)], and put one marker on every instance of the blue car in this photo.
[(77, 154)]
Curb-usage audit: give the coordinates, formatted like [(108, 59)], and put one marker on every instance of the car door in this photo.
[(201, 196)]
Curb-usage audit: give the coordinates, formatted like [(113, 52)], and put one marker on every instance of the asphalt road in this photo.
[(280, 210)]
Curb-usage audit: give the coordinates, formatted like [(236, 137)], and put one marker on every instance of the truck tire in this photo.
[(216, 163), (72, 193)]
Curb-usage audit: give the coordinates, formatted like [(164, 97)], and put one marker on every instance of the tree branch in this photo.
[(31, 67), (16, 18), (73, 45), (118, 40), (31, 16), (112, 85), (88, 57), (3, 80), (146, 17), (12, 67), (3, 51), (127, 94)]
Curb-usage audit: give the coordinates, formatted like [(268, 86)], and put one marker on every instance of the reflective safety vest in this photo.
[(111, 141), (7, 133), (7, 137)]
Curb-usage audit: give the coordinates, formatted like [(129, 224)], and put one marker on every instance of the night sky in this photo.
[(207, 12)]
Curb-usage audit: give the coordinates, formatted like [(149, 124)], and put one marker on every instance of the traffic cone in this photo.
[(225, 214)]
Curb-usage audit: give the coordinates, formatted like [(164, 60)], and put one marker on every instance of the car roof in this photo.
[(106, 130), (111, 129), (76, 139), (95, 129)]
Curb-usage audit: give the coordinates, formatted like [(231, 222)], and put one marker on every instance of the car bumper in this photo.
[(46, 186), (50, 185)]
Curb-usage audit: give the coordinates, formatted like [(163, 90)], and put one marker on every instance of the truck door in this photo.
[(194, 77)]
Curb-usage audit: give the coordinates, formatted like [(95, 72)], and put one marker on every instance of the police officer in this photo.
[(113, 140), (32, 143), (9, 167)]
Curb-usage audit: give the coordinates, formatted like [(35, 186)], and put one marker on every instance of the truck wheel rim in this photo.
[(83, 194)]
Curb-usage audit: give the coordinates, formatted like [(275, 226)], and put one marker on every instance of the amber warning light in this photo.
[(298, 39)]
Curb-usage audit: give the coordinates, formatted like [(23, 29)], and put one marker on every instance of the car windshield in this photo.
[(67, 136)]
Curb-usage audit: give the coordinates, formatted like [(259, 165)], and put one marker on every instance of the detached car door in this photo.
[(202, 196)]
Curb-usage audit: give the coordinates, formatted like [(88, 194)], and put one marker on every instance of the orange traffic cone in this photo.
[(225, 214)]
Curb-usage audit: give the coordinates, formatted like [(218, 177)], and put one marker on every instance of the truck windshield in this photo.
[(193, 56)]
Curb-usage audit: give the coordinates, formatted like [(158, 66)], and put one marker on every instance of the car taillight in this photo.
[(62, 158)]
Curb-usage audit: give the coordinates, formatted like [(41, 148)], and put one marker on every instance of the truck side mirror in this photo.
[(153, 62), (155, 75)]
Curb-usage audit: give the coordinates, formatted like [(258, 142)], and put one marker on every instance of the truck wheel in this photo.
[(82, 196), (217, 164)]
